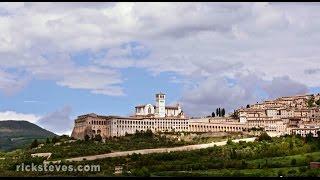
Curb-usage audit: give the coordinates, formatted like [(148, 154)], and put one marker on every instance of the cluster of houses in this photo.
[(287, 115)]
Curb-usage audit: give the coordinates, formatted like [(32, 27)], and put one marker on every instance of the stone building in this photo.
[(157, 118)]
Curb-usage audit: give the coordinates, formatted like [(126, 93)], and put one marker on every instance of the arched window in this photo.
[(149, 110)]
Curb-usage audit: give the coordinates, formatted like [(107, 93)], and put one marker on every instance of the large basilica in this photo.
[(157, 118)]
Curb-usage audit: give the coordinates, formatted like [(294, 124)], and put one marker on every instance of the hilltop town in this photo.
[(285, 115)]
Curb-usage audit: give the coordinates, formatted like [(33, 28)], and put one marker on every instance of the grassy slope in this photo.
[(129, 142)]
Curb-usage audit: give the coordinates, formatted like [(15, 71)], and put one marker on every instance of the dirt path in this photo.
[(157, 150)]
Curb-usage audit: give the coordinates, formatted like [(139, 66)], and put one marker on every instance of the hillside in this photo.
[(17, 134)]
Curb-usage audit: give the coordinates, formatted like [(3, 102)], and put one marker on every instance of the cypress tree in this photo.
[(48, 141), (223, 112)]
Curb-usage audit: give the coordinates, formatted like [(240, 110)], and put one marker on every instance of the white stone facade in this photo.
[(114, 126), (160, 109)]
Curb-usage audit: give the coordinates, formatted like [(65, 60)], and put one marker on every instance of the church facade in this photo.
[(160, 109)]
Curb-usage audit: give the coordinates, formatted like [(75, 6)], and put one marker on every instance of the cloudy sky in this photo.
[(61, 60)]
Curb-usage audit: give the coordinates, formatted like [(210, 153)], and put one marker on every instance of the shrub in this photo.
[(55, 140), (302, 169), (141, 172), (98, 138), (264, 137), (281, 172), (86, 137), (34, 144), (292, 172)]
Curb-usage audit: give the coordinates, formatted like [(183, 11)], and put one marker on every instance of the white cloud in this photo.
[(12, 115), (58, 121), (212, 93), (195, 41), (11, 83)]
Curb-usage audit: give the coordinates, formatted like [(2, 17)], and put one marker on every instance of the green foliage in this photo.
[(55, 139), (86, 137), (143, 172), (264, 137), (286, 156), (220, 112), (309, 137), (98, 138), (34, 144), (235, 115), (310, 101), (281, 173), (47, 141), (139, 140), (223, 112), (135, 156), (229, 142)]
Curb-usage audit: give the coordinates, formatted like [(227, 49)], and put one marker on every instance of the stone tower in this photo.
[(161, 104)]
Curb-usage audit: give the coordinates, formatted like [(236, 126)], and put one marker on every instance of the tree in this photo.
[(98, 138), (149, 133), (213, 115), (293, 162), (244, 165), (280, 172), (235, 115), (55, 140), (309, 137), (223, 112), (248, 106), (264, 137), (34, 144), (48, 141), (310, 101), (86, 137), (217, 112), (229, 142), (141, 172)]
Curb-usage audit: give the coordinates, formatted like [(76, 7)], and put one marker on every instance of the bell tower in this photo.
[(161, 104)]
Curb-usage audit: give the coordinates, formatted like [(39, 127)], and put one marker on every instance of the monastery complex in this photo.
[(285, 115)]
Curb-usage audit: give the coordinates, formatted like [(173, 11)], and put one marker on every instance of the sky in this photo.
[(62, 60)]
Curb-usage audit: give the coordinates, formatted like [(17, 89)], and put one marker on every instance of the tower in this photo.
[(161, 104)]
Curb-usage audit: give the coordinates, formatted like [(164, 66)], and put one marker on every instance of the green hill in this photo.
[(18, 134)]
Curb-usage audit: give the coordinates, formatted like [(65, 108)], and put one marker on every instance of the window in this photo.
[(149, 110)]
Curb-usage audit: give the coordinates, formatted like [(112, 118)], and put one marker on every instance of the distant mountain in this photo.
[(18, 134)]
